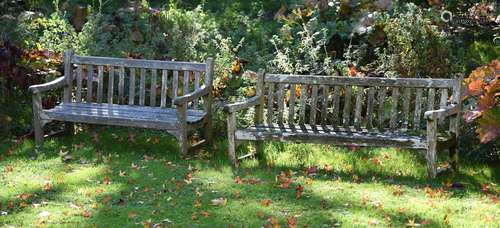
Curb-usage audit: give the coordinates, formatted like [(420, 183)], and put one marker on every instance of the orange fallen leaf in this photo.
[(194, 216), (24, 196), (238, 180), (86, 214), (265, 202), (205, 214), (106, 180), (291, 222)]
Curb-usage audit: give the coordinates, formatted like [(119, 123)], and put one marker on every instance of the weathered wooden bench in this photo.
[(352, 111), (163, 95)]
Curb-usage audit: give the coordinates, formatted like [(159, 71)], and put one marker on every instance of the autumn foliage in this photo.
[(483, 86)]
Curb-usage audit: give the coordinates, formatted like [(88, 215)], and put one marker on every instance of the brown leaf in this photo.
[(265, 202), (106, 180), (8, 168), (238, 180), (47, 186), (24, 196), (291, 222), (86, 214), (106, 199), (298, 191), (194, 216), (132, 215), (197, 203), (205, 214)]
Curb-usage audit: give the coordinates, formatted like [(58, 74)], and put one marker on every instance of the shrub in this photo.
[(415, 46)]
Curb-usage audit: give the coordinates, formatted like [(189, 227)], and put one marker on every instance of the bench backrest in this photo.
[(360, 102), (132, 81)]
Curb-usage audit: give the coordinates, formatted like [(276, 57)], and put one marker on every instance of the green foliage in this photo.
[(416, 47), (54, 33)]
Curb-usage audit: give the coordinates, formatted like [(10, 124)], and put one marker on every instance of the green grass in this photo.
[(372, 186)]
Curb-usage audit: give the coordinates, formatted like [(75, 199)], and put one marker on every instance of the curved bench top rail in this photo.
[(359, 81), (139, 63)]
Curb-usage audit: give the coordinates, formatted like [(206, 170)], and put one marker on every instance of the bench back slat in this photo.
[(418, 108), (90, 82), (131, 93), (292, 103), (135, 82), (394, 108), (369, 107), (346, 113), (100, 82), (395, 104)]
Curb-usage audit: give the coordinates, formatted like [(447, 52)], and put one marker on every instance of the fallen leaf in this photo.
[(265, 202), (238, 180), (298, 191), (194, 216), (8, 168), (205, 214), (373, 222), (47, 186), (197, 203), (291, 222), (98, 191), (106, 199), (24, 196), (261, 214), (106, 180), (236, 194), (86, 214), (132, 215), (121, 173)]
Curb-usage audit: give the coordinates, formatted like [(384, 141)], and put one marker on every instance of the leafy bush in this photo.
[(415, 45), (54, 33)]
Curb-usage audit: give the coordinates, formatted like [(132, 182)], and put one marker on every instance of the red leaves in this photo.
[(483, 84), (298, 191)]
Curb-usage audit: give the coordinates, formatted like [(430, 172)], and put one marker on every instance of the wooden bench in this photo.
[(164, 95), (352, 111)]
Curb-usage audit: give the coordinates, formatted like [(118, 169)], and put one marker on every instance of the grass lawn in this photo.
[(120, 177)]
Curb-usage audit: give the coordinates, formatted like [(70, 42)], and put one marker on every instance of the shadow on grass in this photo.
[(148, 184)]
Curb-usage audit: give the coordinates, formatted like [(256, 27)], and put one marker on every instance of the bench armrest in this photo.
[(442, 113), (235, 107), (192, 96), (58, 82)]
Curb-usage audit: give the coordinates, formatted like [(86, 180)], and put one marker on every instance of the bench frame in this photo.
[(432, 117), (182, 126)]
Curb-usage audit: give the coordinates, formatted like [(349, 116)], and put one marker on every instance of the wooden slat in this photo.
[(175, 84), (443, 101), (381, 107), (369, 107), (394, 108), (357, 109), (131, 92), (418, 109), (346, 114), (100, 81), (359, 81), (291, 104), (142, 87), (79, 78), (336, 105), (164, 88), (139, 63), (281, 101), (406, 107), (111, 83), (303, 98), (314, 103), (196, 86), (431, 99), (324, 108), (90, 83), (270, 95), (121, 86), (152, 93), (68, 74), (185, 83)]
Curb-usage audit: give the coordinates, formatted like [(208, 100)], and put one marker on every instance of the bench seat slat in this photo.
[(139, 63), (122, 115), (331, 135)]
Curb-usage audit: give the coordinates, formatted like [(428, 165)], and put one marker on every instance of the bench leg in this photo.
[(454, 156), (69, 128), (431, 148), (207, 131), (259, 149), (37, 120), (231, 128), (183, 142)]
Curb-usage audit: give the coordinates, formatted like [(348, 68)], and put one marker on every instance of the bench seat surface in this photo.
[(328, 134), (121, 115)]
